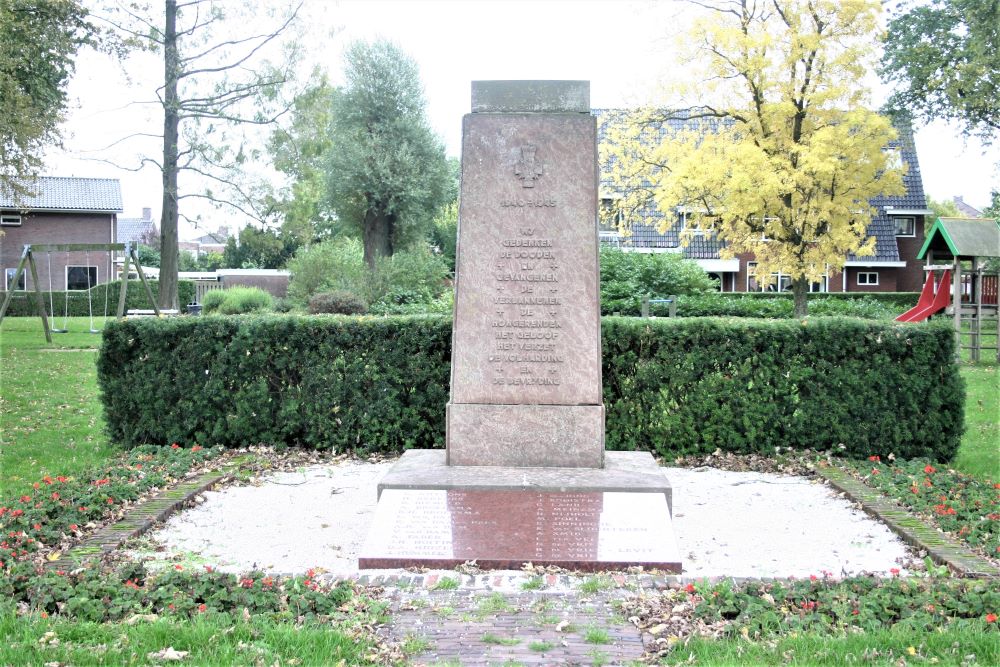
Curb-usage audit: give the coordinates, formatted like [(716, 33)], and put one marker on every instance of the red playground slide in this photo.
[(930, 301)]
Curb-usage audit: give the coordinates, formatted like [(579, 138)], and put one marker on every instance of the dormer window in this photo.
[(906, 225)]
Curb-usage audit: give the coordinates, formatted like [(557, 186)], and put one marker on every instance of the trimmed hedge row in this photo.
[(885, 305), (23, 303), (670, 386)]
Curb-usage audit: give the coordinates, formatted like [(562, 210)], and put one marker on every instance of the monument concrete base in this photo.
[(431, 514)]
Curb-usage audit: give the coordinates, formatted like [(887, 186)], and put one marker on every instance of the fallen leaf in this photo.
[(167, 654)]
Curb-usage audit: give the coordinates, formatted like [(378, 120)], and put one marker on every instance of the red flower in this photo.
[(915, 489), (178, 567), (73, 527), (47, 479), (855, 612), (111, 501), (874, 458), (175, 446), (991, 618), (35, 486), (894, 571), (101, 482), (16, 513), (37, 526), (131, 584), (208, 568), (196, 448), (170, 606), (246, 582), (25, 499), (929, 469), (44, 615), (55, 496), (60, 478), (689, 588), (813, 577), (202, 608), (267, 582), (875, 471)]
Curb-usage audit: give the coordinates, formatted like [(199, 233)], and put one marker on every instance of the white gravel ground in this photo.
[(727, 523)]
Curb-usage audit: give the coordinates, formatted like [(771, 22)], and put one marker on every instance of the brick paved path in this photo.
[(537, 627)]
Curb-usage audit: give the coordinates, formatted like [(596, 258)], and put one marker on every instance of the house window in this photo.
[(80, 277), (682, 217), (611, 215), (10, 219), (9, 277), (780, 282), (905, 225), (868, 277)]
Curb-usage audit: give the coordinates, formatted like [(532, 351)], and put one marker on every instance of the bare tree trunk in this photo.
[(377, 237), (168, 218), (800, 293)]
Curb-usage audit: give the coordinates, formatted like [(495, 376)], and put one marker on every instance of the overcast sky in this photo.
[(625, 49)]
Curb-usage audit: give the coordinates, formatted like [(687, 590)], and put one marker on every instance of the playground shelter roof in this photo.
[(964, 237)]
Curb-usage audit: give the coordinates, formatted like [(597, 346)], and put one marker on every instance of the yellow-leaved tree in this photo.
[(781, 156)]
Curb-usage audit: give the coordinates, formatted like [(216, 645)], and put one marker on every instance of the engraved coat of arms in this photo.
[(528, 169)]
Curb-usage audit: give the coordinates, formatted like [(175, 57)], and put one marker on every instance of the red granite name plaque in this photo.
[(587, 531)]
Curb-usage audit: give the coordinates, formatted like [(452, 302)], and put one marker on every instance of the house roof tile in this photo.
[(58, 193), (645, 233)]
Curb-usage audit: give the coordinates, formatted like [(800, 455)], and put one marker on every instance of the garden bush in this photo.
[(670, 386), (337, 303), (767, 305), (412, 276), (22, 304), (236, 301), (627, 276)]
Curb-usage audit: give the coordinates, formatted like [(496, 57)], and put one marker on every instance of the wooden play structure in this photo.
[(28, 262), (966, 286)]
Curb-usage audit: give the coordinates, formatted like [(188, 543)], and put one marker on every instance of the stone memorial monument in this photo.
[(525, 476)]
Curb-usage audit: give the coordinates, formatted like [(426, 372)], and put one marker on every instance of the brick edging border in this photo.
[(138, 520), (941, 548)]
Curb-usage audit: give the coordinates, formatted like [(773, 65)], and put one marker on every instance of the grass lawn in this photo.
[(896, 646), (980, 454), (213, 639), (50, 415)]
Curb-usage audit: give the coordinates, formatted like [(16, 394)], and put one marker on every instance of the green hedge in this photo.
[(670, 386), (875, 306), (22, 304)]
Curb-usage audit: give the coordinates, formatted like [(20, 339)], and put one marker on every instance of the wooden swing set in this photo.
[(28, 261)]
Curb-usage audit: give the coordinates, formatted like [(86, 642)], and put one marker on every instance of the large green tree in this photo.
[(785, 157), (387, 172), (943, 56), (39, 40)]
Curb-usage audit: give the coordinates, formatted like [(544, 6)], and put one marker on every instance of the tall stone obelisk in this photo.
[(526, 349)]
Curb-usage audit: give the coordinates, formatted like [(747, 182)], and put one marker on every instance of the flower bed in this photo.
[(62, 509), (822, 606), (963, 506)]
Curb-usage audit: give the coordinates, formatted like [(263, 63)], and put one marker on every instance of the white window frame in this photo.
[(97, 275), (618, 215), (867, 284), (8, 276), (10, 219), (683, 213), (896, 219)]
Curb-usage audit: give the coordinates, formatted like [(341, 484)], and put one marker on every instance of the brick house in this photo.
[(898, 228), (61, 210)]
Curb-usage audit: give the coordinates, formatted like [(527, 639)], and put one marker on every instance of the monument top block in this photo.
[(531, 96)]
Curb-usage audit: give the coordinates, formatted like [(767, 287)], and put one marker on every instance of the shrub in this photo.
[(236, 301), (670, 386), (22, 304), (769, 305), (412, 276), (212, 301), (337, 303), (627, 276), (335, 265), (283, 304)]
